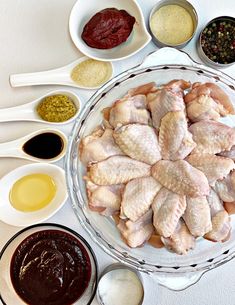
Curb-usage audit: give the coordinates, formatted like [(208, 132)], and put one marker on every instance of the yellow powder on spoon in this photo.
[(91, 73), (172, 24)]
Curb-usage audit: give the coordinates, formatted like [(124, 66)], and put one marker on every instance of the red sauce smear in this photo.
[(108, 28), (50, 267)]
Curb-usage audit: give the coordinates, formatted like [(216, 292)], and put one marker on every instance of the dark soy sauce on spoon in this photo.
[(47, 145)]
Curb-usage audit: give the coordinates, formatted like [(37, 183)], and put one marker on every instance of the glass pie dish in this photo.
[(169, 269)]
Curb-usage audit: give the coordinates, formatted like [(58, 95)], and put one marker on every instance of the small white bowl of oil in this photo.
[(32, 193)]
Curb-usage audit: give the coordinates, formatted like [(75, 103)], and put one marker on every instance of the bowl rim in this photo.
[(59, 226)]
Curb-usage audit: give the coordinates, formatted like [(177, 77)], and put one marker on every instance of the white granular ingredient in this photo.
[(120, 287)]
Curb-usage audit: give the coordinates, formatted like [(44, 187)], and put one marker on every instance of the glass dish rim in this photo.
[(103, 244), (60, 227)]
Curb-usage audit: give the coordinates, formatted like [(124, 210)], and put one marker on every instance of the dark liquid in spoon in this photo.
[(46, 145)]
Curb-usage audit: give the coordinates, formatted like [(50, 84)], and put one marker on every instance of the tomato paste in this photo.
[(108, 28)]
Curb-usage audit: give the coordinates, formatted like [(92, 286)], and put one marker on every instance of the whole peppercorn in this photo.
[(218, 41)]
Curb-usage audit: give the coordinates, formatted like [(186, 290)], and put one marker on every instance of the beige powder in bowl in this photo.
[(172, 24)]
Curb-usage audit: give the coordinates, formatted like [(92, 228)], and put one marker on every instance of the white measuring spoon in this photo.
[(18, 218), (60, 76), (28, 112), (14, 149)]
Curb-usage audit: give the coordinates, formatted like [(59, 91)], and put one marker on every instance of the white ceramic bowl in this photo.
[(82, 13), (14, 217)]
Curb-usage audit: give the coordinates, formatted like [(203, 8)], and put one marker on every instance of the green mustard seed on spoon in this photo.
[(56, 108)]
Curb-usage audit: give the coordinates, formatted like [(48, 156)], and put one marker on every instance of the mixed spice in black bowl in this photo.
[(216, 43)]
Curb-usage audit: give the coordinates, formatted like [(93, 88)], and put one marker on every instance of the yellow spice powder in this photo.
[(91, 73), (172, 24)]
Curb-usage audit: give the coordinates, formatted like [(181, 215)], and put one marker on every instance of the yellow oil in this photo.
[(32, 192)]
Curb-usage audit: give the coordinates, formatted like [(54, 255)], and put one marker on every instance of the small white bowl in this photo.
[(14, 217), (82, 13)]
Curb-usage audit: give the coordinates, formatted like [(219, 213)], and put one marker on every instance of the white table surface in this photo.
[(34, 36)]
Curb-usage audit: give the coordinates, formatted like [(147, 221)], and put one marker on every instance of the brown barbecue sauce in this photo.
[(50, 267)]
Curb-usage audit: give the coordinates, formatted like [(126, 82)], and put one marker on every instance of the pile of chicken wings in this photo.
[(163, 166)]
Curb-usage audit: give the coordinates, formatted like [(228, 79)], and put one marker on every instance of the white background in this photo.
[(34, 36)]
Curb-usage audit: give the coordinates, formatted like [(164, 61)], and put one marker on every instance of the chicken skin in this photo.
[(98, 146), (174, 138), (197, 216), (207, 102), (214, 167), (128, 110), (180, 177), (212, 137), (169, 98), (138, 196), (221, 226), (138, 142), (167, 207)]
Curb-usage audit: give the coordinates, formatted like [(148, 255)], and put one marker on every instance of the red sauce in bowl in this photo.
[(50, 267), (108, 28)]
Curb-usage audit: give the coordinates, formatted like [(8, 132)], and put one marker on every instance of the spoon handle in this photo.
[(53, 77), (17, 113), (10, 149)]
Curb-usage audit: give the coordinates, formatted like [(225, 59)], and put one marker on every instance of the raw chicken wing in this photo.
[(212, 137), (221, 226), (104, 199), (180, 177), (169, 98), (214, 167), (181, 241), (129, 110), (99, 145), (178, 86), (167, 207), (204, 108), (138, 197), (197, 216), (138, 142), (143, 89), (226, 188), (214, 92), (116, 170), (137, 233), (174, 138)]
